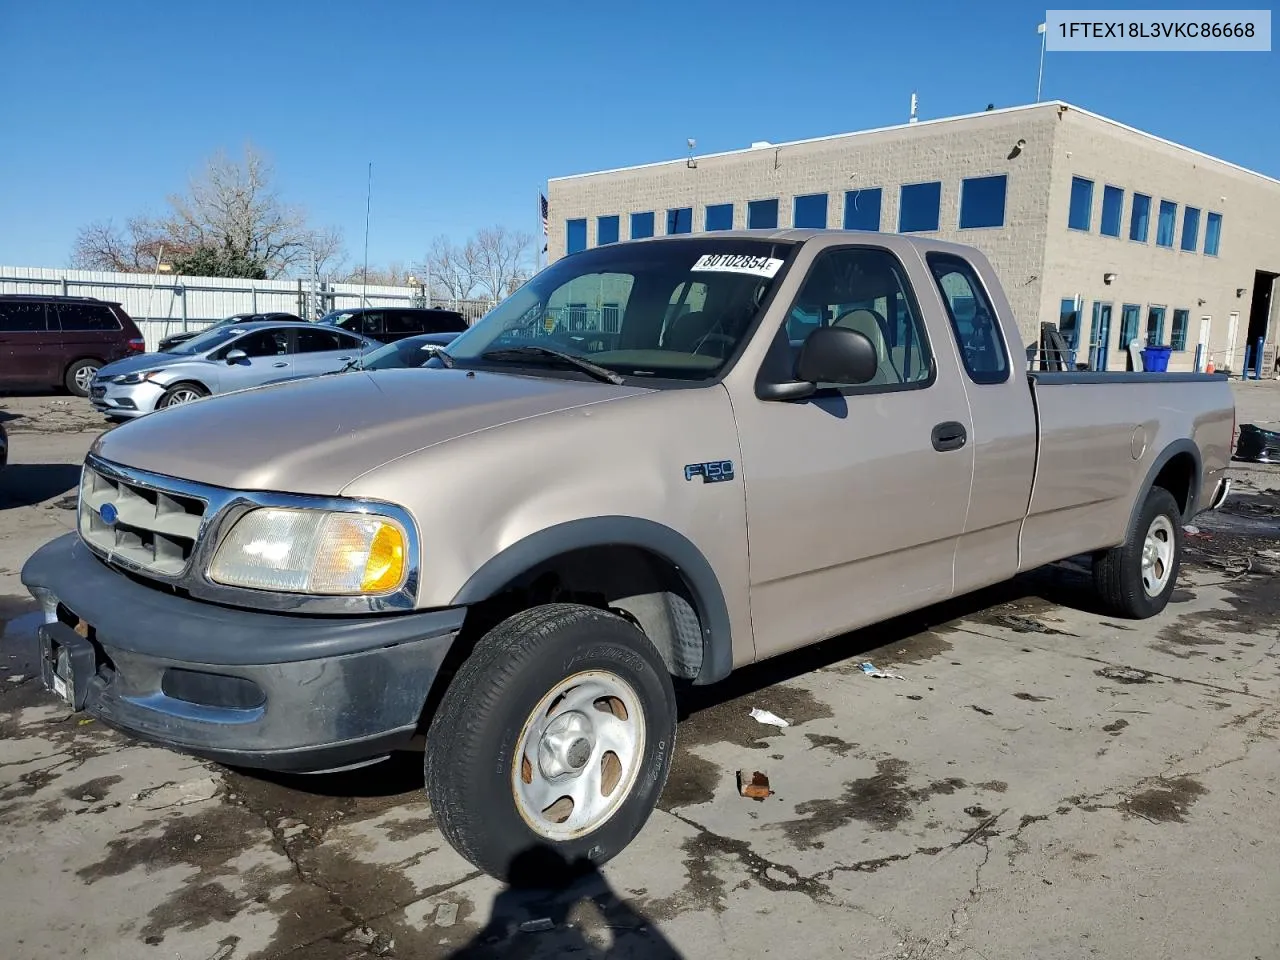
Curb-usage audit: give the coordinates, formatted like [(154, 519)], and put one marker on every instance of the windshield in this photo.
[(402, 353), (675, 309), (337, 316), (213, 337)]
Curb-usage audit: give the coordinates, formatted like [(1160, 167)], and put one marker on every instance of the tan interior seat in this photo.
[(871, 325)]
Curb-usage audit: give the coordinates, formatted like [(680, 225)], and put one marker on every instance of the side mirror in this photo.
[(235, 356), (837, 355)]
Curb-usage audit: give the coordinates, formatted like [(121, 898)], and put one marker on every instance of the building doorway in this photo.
[(1233, 331), (1259, 317), (1202, 348), (1099, 336)]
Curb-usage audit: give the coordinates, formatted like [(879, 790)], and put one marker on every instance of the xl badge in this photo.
[(109, 514), (716, 471)]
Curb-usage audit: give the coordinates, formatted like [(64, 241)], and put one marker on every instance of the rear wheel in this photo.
[(79, 376), (1136, 579), (181, 393), (552, 744)]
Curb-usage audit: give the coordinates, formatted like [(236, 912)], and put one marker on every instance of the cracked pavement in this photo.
[(1044, 782)]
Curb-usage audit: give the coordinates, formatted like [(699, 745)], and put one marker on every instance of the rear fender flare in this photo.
[(675, 548), (1168, 453)]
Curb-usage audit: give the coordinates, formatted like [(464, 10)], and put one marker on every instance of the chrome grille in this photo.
[(138, 525)]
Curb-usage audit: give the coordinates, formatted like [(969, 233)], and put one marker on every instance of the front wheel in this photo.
[(1136, 579), (552, 744), (181, 393)]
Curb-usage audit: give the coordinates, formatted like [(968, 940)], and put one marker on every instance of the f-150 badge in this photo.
[(716, 471)]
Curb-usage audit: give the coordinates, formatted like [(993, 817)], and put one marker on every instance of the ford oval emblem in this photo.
[(109, 514)]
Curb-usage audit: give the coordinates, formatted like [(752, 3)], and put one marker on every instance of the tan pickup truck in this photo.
[(654, 463)]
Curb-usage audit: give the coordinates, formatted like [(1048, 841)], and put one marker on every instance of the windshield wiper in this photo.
[(529, 352), (444, 357)]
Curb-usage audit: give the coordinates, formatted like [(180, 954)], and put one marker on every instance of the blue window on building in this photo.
[(1190, 228), (1181, 320), (680, 220), (1128, 324), (918, 205), (1140, 218), (1164, 227), (862, 209), (1112, 205), (1155, 326), (762, 214), (1069, 321), (811, 211), (982, 201), (720, 216), (1080, 215), (1212, 234), (575, 235), (607, 230), (641, 225)]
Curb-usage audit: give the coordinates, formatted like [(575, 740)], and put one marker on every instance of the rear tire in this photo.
[(181, 393), (79, 376), (1136, 579), (555, 701)]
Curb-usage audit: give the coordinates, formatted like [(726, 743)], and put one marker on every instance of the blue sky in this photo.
[(465, 109)]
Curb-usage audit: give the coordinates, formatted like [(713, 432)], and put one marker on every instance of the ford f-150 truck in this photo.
[(654, 463)]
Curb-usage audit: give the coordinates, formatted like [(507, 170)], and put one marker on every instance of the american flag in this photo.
[(544, 220)]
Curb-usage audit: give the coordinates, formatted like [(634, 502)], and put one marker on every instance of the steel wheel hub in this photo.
[(1157, 556), (578, 755)]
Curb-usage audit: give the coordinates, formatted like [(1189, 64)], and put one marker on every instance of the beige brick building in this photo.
[(1111, 232)]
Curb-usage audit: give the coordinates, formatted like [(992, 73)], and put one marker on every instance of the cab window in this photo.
[(973, 321)]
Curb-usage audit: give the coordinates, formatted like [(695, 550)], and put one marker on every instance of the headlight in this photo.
[(132, 378), (311, 551)]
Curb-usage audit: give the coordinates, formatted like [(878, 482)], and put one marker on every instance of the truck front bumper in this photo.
[(247, 688)]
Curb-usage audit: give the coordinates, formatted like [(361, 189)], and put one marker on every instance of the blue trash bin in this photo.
[(1156, 359)]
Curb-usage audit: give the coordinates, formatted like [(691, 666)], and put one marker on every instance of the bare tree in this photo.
[(102, 245), (231, 215), (453, 269), (502, 260), (392, 275)]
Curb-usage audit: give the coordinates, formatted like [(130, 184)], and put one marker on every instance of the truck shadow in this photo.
[(535, 917), (28, 484), (1067, 585)]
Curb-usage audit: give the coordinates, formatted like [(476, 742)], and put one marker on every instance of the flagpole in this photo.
[(542, 230), (1044, 39)]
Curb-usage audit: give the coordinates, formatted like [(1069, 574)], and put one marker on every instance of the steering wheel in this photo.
[(723, 339)]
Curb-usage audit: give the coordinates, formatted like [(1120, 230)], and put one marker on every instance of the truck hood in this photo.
[(317, 435)]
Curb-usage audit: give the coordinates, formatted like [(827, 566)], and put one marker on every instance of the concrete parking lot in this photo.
[(1042, 782)]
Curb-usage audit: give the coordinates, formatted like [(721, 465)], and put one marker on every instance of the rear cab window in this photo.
[(973, 320)]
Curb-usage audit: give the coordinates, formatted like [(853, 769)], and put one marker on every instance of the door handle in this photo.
[(344, 359), (949, 436), (280, 364)]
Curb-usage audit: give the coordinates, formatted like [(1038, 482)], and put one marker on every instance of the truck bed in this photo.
[(1101, 437)]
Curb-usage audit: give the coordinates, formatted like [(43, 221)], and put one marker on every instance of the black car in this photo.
[(174, 339), (389, 324)]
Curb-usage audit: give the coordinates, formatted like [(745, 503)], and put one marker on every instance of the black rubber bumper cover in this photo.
[(330, 691)]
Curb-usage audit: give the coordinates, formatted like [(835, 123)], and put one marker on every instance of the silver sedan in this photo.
[(222, 360)]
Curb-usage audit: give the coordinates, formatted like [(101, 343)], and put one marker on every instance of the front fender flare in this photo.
[(675, 548)]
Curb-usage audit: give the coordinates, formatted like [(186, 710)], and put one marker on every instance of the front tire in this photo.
[(1136, 579), (551, 745), (181, 393), (79, 377)]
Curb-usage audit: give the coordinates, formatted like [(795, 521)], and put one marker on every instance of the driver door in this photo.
[(267, 358), (857, 495)]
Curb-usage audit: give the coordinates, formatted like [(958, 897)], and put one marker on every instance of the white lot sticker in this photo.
[(738, 263)]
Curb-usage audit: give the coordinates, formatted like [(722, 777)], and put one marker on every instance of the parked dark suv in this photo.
[(389, 324), (171, 341), (51, 341)]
